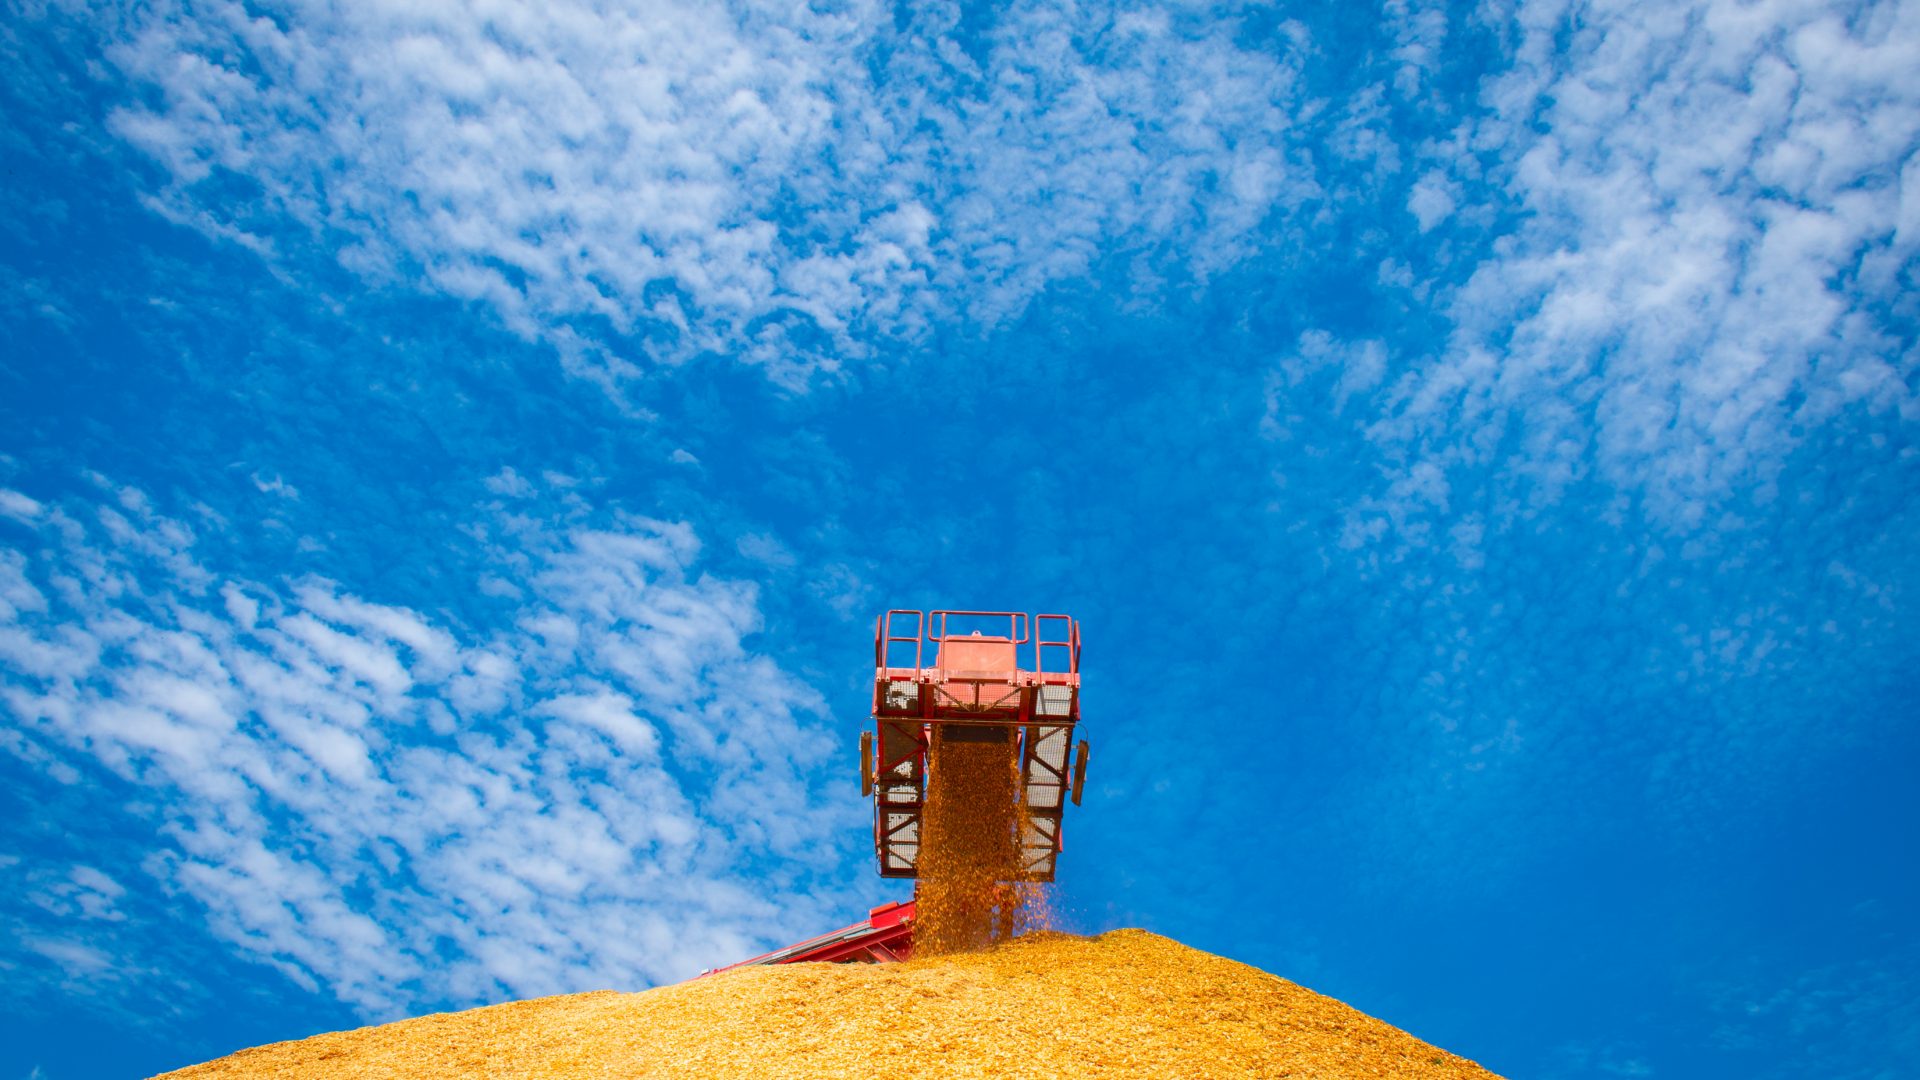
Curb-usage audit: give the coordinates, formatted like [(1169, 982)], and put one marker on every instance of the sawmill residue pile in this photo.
[(1124, 1004)]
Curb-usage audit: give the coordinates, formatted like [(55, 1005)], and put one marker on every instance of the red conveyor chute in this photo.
[(885, 935)]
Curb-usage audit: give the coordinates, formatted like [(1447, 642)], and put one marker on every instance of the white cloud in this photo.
[(784, 185), (274, 485), (1433, 199), (400, 815), (15, 505), (612, 715), (1419, 33), (1714, 203), (76, 958), (1577, 495), (766, 549), (75, 892), (509, 483)]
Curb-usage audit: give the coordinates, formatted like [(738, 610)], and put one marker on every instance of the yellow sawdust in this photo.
[(1124, 1004)]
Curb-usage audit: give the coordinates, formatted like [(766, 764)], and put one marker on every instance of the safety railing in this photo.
[(885, 637), (1052, 641), (1067, 643), (977, 640), (1016, 625)]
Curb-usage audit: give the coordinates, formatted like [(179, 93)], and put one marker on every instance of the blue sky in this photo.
[(451, 458)]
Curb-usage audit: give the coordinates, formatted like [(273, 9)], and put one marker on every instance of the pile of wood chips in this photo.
[(1124, 1004)]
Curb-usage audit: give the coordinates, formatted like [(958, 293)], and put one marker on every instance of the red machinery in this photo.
[(887, 934), (963, 676), (972, 676)]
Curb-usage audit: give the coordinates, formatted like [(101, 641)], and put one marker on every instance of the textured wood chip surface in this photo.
[(1124, 1004)]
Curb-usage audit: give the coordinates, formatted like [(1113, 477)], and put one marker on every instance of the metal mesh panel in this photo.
[(1053, 701), (900, 696)]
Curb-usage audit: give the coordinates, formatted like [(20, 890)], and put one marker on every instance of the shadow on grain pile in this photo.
[(1124, 1004)]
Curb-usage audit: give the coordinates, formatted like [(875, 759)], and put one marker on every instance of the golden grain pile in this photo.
[(1124, 1004)]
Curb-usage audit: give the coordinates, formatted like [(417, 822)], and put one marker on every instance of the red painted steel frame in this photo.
[(886, 935), (974, 680)]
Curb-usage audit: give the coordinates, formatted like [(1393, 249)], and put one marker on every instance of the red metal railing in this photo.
[(1054, 640), (884, 638), (1069, 641), (1016, 624)]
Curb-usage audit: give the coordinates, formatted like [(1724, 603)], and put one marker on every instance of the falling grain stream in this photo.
[(967, 896)]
